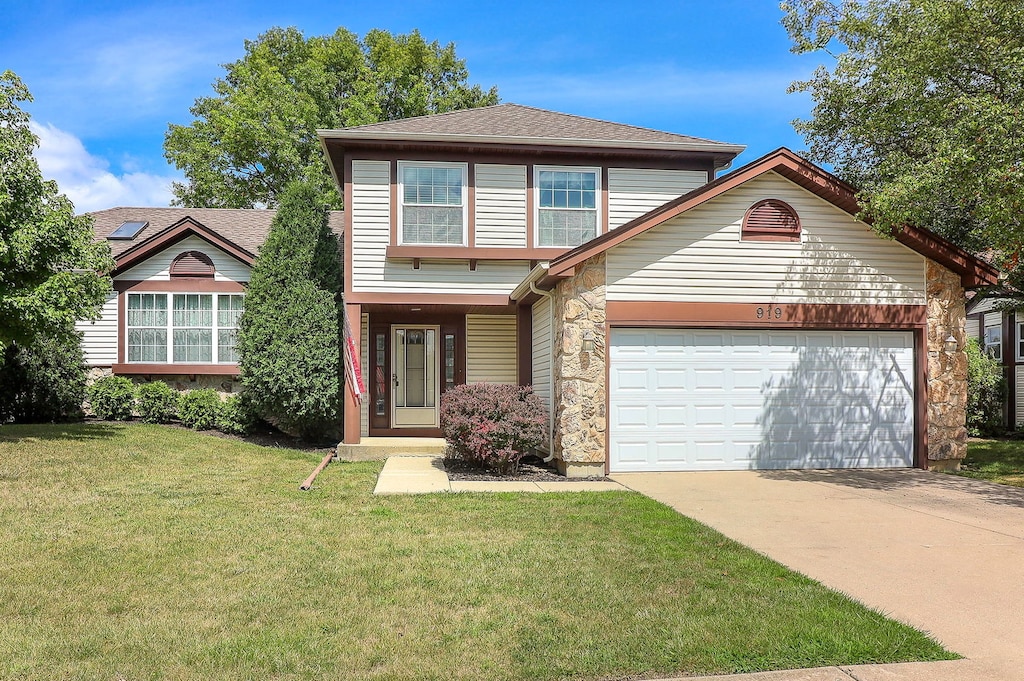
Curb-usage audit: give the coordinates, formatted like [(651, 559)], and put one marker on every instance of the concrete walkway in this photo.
[(943, 553), (423, 475)]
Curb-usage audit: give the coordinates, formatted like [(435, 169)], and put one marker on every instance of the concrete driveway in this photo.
[(943, 553)]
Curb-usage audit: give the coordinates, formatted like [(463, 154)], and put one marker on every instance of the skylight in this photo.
[(127, 230)]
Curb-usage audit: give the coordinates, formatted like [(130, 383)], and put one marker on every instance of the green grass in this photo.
[(150, 552), (999, 461)]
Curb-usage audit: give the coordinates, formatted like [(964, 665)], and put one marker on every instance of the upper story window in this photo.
[(433, 207), (771, 220), (567, 212)]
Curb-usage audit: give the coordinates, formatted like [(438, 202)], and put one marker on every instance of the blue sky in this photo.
[(108, 77)]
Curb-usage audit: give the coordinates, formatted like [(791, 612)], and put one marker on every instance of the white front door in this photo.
[(415, 388), (719, 399)]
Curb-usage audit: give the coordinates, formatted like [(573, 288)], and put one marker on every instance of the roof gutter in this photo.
[(529, 284), (379, 136)]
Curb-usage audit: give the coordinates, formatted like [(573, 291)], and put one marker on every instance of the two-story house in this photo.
[(670, 320)]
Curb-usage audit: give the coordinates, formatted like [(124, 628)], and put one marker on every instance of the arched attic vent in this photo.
[(771, 220), (192, 264)]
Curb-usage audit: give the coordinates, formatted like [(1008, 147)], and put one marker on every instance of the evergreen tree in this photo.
[(289, 335)]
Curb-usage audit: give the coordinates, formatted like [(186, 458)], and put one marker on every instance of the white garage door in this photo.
[(703, 399)]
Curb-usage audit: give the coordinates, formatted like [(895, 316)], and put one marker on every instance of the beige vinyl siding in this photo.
[(972, 327), (699, 257), (491, 349), (158, 267), (450, 276), (373, 272), (984, 305), (635, 191), (542, 350), (364, 353), (371, 222), (500, 206), (99, 337)]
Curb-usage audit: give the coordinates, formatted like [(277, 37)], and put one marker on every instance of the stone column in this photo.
[(947, 372), (580, 422)]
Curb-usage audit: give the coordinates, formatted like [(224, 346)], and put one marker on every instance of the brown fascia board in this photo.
[(335, 150), (172, 235), (973, 272)]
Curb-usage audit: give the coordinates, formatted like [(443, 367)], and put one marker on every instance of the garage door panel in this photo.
[(723, 399)]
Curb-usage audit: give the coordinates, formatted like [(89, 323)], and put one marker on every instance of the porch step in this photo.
[(380, 448)]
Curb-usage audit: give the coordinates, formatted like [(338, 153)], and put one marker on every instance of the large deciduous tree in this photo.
[(258, 132), (922, 108), (51, 271), (289, 341)]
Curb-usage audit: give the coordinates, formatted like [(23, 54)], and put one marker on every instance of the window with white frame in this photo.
[(567, 212), (202, 328), (1020, 339), (994, 341), (433, 206)]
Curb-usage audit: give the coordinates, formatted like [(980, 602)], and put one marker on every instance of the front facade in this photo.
[(669, 320)]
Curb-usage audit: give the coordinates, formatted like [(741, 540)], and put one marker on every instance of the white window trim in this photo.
[(400, 184), (599, 218), (999, 345), (214, 328)]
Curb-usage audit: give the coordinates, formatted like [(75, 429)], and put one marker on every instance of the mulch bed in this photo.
[(531, 469)]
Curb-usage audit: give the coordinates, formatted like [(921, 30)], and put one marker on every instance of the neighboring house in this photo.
[(1000, 333), (668, 319), (179, 288)]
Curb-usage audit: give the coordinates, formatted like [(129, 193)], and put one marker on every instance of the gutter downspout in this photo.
[(551, 370)]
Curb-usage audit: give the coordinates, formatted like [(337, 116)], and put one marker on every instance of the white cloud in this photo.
[(87, 180)]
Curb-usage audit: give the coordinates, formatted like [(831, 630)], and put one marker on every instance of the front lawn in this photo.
[(133, 551), (999, 461)]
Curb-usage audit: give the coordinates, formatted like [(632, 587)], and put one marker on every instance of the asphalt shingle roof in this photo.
[(246, 227), (516, 120)]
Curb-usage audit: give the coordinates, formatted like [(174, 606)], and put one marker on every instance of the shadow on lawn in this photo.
[(77, 431), (907, 479)]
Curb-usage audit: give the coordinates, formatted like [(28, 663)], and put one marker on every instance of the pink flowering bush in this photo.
[(492, 426)]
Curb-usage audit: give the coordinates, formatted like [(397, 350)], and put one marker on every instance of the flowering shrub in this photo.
[(492, 426)]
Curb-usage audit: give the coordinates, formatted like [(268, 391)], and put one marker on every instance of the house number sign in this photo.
[(770, 311)]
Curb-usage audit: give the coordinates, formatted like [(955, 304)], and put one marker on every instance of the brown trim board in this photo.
[(172, 235), (181, 285), (133, 368), (472, 252), (766, 315)]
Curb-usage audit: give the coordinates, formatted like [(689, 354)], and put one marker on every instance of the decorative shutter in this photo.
[(192, 264), (771, 220)]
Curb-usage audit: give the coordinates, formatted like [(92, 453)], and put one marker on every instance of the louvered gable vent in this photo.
[(771, 220), (192, 264)]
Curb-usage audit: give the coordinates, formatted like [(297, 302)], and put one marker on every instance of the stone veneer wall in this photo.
[(580, 422), (225, 385), (947, 372)]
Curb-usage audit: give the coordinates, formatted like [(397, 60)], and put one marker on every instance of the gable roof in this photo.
[(973, 271), (238, 231), (518, 124)]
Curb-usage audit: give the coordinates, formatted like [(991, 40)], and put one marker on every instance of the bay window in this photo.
[(187, 334), (567, 212), (433, 205)]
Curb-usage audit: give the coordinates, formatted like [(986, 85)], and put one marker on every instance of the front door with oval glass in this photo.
[(414, 380)]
